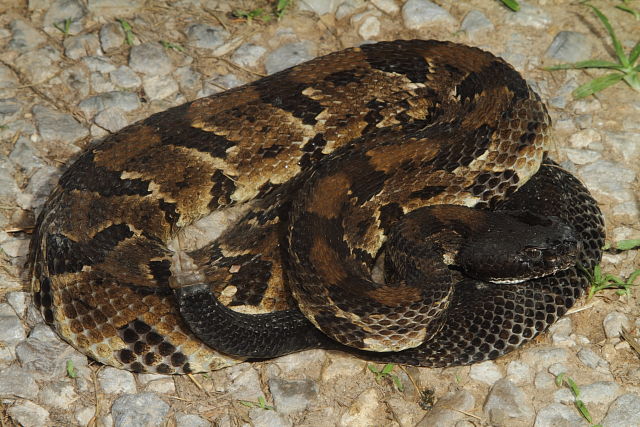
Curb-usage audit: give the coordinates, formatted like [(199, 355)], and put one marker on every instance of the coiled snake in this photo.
[(388, 200)]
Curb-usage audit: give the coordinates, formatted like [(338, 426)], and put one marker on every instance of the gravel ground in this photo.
[(57, 93)]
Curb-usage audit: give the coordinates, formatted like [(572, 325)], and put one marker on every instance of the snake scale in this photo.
[(372, 201)]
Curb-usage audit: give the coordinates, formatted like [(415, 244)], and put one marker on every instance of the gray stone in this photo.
[(61, 10), (422, 14), (8, 79), (159, 87), (365, 410), (390, 7), (9, 109), (592, 360), (100, 64), (75, 78), (292, 395), (40, 65), (348, 8), (190, 420), (582, 157), (289, 55), (188, 79), (559, 415), (59, 394), (369, 27), (529, 16), (248, 55), (544, 380), (609, 179), (76, 47), (18, 301), (601, 392), (11, 329), (309, 363), (558, 368), (341, 366), (487, 372), (449, 409), (114, 7), (245, 383), (16, 382), (55, 126), (219, 84), (142, 409), (405, 412), (111, 36), (151, 59), (263, 418), (116, 381), (569, 46), (321, 7), (125, 77), (84, 415), (206, 36), (518, 372), (624, 412), (476, 23), (164, 386), (613, 324), (100, 83), (28, 414), (587, 138), (45, 356), (111, 119), (24, 36), (625, 144), (507, 404), (561, 331), (125, 101)]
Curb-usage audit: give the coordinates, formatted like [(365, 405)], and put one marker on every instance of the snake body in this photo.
[(318, 166)]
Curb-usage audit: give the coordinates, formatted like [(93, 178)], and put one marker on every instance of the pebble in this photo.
[(581, 156), (28, 414), (569, 46), (245, 383), (390, 7), (163, 386), (98, 64), (190, 420), (559, 415), (624, 412), (476, 23), (543, 380), (40, 65), (125, 101), (289, 55), (116, 381), (447, 410), (519, 372), (560, 332), (11, 329), (266, 418), (142, 409), (529, 16), (159, 87), (59, 394), (45, 356), (507, 403), (369, 28), (100, 83), (487, 372), (75, 78), (365, 410), (601, 392), (341, 366), (111, 36), (8, 79), (348, 8), (405, 412), (587, 138), (591, 359), (18, 301), (24, 37), (76, 47), (321, 7), (17, 382), (307, 363), (248, 55), (206, 36), (84, 415), (150, 59), (613, 324), (422, 14), (125, 77), (292, 395), (62, 10), (609, 179), (55, 126), (625, 144)]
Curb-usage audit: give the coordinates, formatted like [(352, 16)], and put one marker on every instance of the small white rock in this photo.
[(613, 324), (487, 372)]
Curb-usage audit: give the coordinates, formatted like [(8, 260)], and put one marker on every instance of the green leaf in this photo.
[(596, 85), (372, 369), (634, 12), (591, 63), (387, 369), (616, 43), (398, 383), (72, 372), (573, 386), (635, 53), (247, 403), (512, 4), (559, 379), (583, 410)]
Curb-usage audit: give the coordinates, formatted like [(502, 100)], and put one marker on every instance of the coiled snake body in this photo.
[(374, 196)]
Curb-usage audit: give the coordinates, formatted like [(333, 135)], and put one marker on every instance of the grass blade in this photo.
[(627, 245), (635, 53), (597, 85), (616, 43), (583, 410), (511, 4), (635, 13), (591, 63)]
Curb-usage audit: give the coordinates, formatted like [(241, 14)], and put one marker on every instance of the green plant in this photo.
[(63, 26), (625, 245), (169, 45), (281, 7), (385, 372), (72, 372), (128, 31), (511, 4), (601, 282), (625, 6), (261, 403), (562, 378), (251, 15), (625, 69)]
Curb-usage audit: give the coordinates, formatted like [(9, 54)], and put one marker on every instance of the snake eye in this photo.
[(533, 253)]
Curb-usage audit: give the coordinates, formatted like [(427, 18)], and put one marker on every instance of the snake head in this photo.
[(519, 246)]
